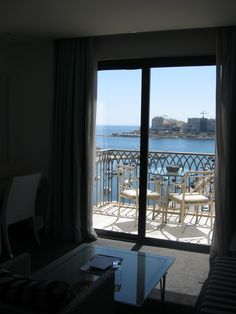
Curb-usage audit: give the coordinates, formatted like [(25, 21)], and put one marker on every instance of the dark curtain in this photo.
[(225, 174), (70, 215)]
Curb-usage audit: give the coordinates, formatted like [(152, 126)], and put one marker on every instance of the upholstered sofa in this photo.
[(218, 294), (21, 294)]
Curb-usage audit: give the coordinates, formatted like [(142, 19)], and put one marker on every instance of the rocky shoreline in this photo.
[(201, 136)]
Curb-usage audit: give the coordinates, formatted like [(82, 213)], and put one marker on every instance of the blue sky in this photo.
[(176, 92)]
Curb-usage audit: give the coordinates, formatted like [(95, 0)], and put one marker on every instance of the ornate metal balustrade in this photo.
[(105, 183)]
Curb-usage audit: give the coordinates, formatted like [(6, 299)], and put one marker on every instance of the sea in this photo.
[(105, 140)]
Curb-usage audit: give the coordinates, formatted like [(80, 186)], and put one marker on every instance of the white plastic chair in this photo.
[(19, 204)]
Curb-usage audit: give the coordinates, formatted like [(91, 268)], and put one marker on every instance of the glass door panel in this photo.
[(181, 139), (117, 144)]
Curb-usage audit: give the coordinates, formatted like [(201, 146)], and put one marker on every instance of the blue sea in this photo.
[(105, 140)]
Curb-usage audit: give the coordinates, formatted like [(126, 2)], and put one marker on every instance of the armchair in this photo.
[(195, 191), (128, 188)]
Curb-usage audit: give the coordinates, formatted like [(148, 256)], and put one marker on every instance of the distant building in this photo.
[(211, 125), (193, 125), (203, 125), (200, 125), (157, 123)]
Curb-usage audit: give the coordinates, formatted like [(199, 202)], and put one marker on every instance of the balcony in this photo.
[(105, 197)]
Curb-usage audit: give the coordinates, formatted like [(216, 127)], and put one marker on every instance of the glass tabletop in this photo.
[(138, 274)]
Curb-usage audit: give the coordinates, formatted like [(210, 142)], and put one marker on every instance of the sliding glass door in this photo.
[(149, 117)]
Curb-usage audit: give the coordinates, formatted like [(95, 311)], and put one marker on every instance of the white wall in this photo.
[(30, 68), (5, 68)]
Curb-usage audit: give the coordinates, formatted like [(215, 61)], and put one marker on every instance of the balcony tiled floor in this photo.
[(106, 218)]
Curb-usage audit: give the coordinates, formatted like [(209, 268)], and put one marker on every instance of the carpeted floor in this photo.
[(183, 282), (184, 279)]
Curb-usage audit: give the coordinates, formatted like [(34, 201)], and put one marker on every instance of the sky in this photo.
[(176, 92)]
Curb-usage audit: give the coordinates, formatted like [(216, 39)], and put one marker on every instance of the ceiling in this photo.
[(75, 18)]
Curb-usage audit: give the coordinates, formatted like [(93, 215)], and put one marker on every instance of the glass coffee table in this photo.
[(137, 276)]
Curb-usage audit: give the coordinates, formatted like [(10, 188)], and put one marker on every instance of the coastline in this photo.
[(128, 137), (169, 136)]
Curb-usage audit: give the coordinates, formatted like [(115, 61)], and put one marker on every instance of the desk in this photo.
[(140, 272)]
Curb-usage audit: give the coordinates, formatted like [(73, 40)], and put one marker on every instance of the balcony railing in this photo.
[(105, 183)]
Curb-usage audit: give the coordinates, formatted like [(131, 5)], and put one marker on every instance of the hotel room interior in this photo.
[(50, 52)]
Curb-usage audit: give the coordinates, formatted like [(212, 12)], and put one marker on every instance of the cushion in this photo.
[(42, 295), (153, 195), (189, 198), (129, 193)]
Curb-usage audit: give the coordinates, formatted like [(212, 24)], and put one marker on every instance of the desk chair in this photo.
[(19, 204)]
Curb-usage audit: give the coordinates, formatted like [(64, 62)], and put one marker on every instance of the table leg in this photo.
[(162, 288)]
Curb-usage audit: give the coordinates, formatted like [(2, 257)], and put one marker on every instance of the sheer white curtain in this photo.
[(225, 166)]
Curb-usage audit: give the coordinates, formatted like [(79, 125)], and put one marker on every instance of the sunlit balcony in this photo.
[(193, 229)]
